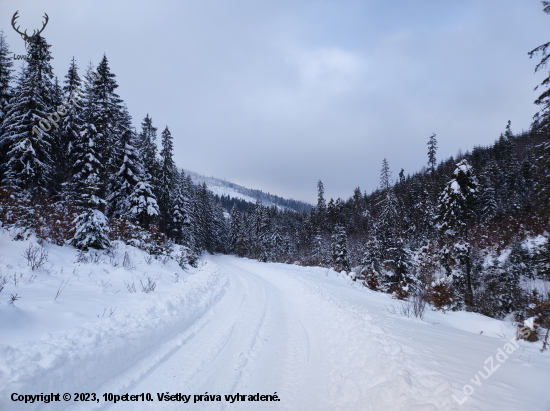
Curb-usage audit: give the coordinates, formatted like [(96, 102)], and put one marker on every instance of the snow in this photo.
[(455, 187), (530, 323), (222, 187), (311, 335)]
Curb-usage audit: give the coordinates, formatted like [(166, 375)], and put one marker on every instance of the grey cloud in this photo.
[(276, 95)]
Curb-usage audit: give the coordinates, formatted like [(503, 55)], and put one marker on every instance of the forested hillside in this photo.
[(228, 193)]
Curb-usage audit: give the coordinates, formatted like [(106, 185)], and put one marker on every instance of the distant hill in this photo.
[(223, 188)]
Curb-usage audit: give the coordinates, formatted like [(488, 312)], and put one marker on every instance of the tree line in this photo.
[(74, 169), (468, 232)]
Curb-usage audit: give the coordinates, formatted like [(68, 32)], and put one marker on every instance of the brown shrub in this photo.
[(440, 293)]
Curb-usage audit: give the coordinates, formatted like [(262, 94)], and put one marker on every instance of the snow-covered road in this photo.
[(317, 340), (323, 345)]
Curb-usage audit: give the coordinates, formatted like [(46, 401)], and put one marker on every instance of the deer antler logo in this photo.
[(24, 35)]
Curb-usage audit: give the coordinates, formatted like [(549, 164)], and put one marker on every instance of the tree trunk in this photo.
[(470, 296), (545, 342)]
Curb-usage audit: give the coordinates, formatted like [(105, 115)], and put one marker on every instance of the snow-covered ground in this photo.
[(310, 335)]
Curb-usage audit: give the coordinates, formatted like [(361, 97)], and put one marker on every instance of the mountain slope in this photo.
[(222, 187)]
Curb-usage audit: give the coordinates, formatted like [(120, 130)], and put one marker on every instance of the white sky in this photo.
[(276, 95)]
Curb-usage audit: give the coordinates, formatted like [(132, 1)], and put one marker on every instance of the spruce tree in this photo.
[(321, 205), (401, 280), (339, 249), (148, 150), (541, 176), (167, 176), (91, 225), (264, 233), (219, 228), (432, 150), (456, 210), (541, 120), (541, 127), (318, 252), (542, 258), (129, 191), (203, 219), (6, 91), (105, 118), (234, 228), (28, 164), (457, 201), (488, 204), (370, 264), (277, 244), (142, 204), (502, 294), (387, 225), (180, 216), (72, 126)]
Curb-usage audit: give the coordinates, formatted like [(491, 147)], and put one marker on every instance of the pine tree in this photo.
[(339, 249)]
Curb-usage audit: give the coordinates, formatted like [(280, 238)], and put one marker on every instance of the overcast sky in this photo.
[(276, 95)]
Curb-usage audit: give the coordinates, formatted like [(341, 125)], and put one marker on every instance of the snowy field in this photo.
[(310, 335)]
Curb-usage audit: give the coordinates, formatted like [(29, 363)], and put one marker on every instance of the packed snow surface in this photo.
[(312, 336)]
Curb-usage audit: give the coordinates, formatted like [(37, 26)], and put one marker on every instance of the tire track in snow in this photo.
[(363, 366), (293, 355), (207, 362)]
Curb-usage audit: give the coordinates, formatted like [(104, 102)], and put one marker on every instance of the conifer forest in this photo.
[(87, 177)]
